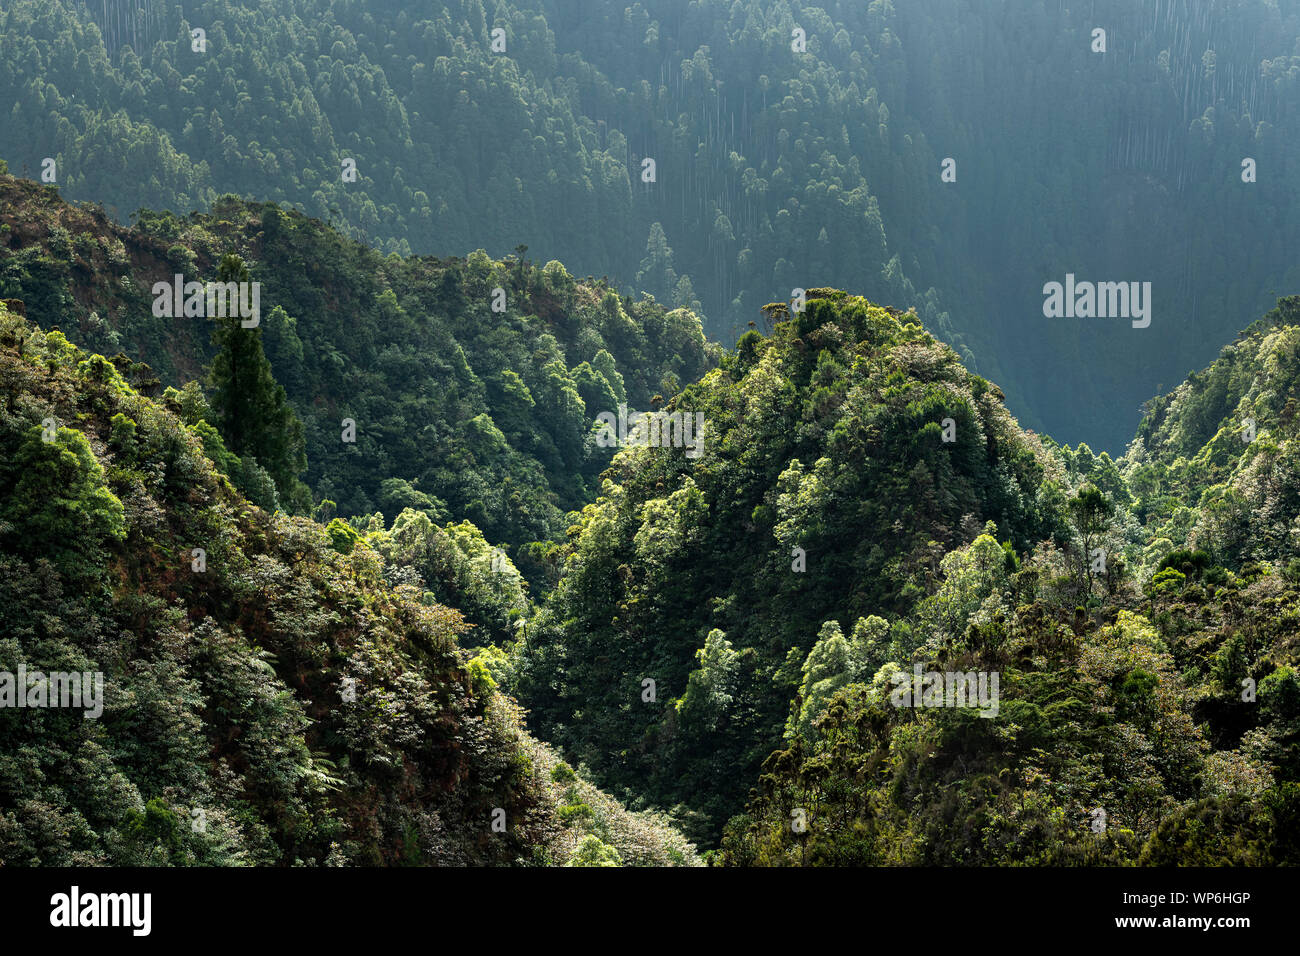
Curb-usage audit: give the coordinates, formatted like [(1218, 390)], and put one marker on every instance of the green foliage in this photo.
[(782, 165), (152, 836), (251, 409), (462, 569), (54, 499), (1170, 579), (593, 851), (1125, 686), (459, 411), (281, 705), (682, 546), (1171, 707), (343, 537)]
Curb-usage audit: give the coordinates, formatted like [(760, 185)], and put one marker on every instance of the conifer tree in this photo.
[(253, 414)]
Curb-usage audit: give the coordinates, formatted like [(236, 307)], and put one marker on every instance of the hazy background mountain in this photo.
[(773, 168)]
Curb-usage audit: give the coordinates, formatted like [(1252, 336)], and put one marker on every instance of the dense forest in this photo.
[(779, 162), (395, 572), (456, 406), (228, 735)]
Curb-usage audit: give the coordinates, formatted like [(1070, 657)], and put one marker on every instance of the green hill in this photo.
[(825, 491), (459, 410), (266, 698), (1149, 713)]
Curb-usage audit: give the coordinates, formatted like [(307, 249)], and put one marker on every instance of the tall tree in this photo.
[(1091, 511), (253, 414), (656, 274)]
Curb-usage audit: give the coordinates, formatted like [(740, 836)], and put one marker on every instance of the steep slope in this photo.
[(463, 137), (266, 698), (1215, 465), (468, 404), (1126, 737), (876, 146), (825, 488), (1149, 712)]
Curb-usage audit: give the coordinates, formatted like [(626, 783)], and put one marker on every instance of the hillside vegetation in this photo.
[(1143, 629), (482, 612), (782, 159), (459, 410), (267, 699), (1149, 713)]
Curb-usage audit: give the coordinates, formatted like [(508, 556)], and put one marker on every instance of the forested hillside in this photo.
[(1143, 622), (825, 490), (724, 628), (267, 698), (1161, 699), (383, 565), (461, 411), (781, 160), (1213, 466)]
